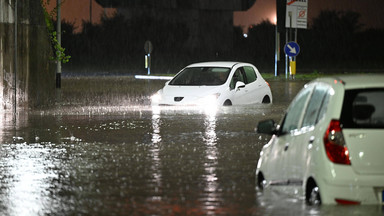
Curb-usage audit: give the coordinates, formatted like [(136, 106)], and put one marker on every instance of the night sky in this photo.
[(371, 11)]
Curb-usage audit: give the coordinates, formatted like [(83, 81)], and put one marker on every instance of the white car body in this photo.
[(297, 159), (225, 93)]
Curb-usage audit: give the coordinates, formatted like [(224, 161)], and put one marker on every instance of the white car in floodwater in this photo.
[(215, 83), (329, 146)]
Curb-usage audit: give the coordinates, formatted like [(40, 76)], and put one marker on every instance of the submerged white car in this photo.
[(215, 83), (329, 146)]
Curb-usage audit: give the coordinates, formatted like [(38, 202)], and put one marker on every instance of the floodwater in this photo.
[(103, 150)]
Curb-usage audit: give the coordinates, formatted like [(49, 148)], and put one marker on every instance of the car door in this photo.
[(254, 86), (252, 91), (286, 137), (239, 95), (297, 153)]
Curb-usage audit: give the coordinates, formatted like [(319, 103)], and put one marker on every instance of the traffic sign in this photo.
[(296, 14), (292, 49), (148, 47)]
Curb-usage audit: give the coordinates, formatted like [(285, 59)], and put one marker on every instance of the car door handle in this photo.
[(286, 146), (311, 139)]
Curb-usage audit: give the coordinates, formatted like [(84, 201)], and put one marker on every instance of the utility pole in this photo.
[(279, 31), (58, 72), (15, 62)]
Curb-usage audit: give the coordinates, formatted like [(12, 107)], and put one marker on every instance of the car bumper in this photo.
[(348, 186)]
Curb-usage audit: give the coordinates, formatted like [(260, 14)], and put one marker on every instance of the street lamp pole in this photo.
[(58, 72), (15, 62)]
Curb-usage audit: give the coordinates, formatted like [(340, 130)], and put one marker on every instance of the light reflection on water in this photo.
[(142, 160), (155, 151), (27, 192), (211, 198)]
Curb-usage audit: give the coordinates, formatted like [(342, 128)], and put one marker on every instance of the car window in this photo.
[(237, 76), (324, 106), (294, 113), (316, 104), (195, 76), (250, 74), (363, 108)]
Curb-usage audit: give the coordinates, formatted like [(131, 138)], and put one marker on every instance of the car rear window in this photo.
[(363, 108)]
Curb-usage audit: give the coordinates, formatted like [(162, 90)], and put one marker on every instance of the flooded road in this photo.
[(104, 151)]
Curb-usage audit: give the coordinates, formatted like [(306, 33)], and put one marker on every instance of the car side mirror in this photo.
[(239, 85), (266, 127)]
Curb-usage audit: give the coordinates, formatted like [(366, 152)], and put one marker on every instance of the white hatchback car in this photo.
[(215, 83), (329, 146)]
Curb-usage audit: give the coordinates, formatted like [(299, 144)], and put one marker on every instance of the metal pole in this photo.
[(286, 56), (276, 49), (149, 64), (290, 25), (58, 72), (15, 67), (295, 40)]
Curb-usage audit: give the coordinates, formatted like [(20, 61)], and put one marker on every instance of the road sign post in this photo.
[(296, 17), (292, 49), (147, 59)]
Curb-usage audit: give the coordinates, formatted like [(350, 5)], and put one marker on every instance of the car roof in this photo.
[(356, 81), (227, 64)]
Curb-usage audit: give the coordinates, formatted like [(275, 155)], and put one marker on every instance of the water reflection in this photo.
[(25, 172), (142, 160), (211, 199), (156, 137), (26, 193), (155, 151)]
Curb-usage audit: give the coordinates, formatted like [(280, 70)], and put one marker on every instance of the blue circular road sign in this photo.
[(292, 49)]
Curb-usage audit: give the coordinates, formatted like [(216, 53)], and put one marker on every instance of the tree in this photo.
[(333, 35)]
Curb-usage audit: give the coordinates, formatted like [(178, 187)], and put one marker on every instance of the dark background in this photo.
[(335, 42)]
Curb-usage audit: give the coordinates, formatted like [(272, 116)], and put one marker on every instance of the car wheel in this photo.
[(227, 103), (313, 198), (266, 100)]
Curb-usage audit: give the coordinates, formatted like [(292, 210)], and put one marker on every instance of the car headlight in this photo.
[(156, 98)]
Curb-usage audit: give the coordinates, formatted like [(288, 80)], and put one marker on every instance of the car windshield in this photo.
[(363, 108), (196, 76)]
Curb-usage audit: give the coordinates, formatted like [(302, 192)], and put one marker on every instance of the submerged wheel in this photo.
[(313, 194), (227, 103), (266, 100)]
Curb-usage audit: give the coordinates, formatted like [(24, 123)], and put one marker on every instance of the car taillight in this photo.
[(334, 143)]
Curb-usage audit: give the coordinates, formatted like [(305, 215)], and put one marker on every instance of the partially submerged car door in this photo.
[(253, 85), (287, 137), (302, 143), (238, 92), (253, 91)]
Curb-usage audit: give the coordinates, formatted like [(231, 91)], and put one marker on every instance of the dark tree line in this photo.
[(335, 40), (119, 45)]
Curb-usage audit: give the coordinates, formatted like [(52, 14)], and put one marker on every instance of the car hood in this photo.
[(187, 94)]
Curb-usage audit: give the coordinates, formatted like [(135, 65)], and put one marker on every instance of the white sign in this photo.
[(297, 14)]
